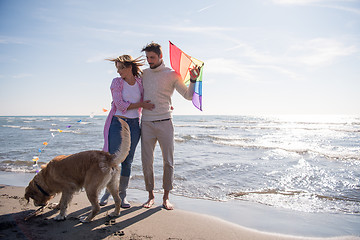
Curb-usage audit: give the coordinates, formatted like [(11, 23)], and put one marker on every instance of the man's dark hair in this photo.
[(153, 47)]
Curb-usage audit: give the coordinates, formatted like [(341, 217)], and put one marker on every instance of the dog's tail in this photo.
[(124, 147)]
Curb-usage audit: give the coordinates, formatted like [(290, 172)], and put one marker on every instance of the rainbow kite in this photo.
[(182, 63)]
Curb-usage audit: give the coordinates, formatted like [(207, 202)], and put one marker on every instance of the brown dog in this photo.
[(91, 170)]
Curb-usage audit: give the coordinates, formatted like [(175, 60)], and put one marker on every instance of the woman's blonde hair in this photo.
[(128, 61)]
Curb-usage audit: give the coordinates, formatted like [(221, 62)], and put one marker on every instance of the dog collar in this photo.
[(42, 190)]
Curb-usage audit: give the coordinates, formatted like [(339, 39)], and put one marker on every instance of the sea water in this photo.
[(308, 164)]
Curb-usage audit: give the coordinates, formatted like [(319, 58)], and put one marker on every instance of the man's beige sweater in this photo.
[(159, 85)]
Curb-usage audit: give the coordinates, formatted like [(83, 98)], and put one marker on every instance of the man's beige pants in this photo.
[(162, 132)]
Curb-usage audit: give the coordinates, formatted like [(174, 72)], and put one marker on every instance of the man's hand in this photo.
[(194, 73)]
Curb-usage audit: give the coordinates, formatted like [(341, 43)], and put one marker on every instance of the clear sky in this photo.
[(261, 56)]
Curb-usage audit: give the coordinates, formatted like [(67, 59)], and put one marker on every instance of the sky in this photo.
[(262, 57)]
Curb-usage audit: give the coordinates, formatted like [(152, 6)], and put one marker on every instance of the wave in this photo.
[(23, 127), (214, 126), (294, 193), (85, 123), (40, 128), (11, 126), (66, 131), (297, 200), (308, 123), (251, 143), (247, 143), (266, 191), (32, 128), (316, 128), (184, 138), (19, 166)]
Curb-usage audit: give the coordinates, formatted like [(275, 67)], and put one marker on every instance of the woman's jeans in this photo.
[(115, 141)]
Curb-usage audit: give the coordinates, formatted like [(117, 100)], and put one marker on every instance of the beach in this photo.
[(236, 177), (134, 223)]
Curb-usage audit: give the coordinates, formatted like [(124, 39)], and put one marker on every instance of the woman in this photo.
[(127, 94)]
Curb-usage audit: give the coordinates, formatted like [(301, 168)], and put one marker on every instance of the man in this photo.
[(159, 83)]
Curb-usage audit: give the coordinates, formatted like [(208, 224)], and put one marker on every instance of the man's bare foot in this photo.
[(149, 203), (167, 205)]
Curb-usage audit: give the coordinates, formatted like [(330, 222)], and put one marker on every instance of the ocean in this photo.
[(300, 163)]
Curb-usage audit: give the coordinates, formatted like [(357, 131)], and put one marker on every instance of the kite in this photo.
[(182, 64)]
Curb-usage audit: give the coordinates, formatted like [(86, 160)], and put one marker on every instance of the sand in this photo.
[(134, 223)]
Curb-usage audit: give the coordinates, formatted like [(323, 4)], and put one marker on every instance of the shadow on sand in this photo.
[(13, 226)]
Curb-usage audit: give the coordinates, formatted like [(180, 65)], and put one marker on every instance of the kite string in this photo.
[(46, 143), (41, 150)]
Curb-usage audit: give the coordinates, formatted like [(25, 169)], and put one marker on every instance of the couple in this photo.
[(149, 91)]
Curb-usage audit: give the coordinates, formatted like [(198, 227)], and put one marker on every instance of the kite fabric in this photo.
[(182, 63)]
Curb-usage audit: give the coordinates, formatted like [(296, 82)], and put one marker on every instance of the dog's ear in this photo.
[(27, 197), (43, 166), (29, 191)]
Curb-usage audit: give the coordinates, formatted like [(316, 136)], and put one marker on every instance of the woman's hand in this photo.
[(147, 105)]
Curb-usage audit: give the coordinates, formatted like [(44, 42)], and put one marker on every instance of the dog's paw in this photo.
[(60, 217), (84, 220), (114, 214), (54, 206)]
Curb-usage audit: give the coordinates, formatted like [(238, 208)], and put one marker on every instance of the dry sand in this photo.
[(133, 223)]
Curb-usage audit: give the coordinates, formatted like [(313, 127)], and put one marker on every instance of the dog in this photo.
[(91, 170)]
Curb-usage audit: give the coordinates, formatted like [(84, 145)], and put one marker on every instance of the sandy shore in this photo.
[(134, 223)]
